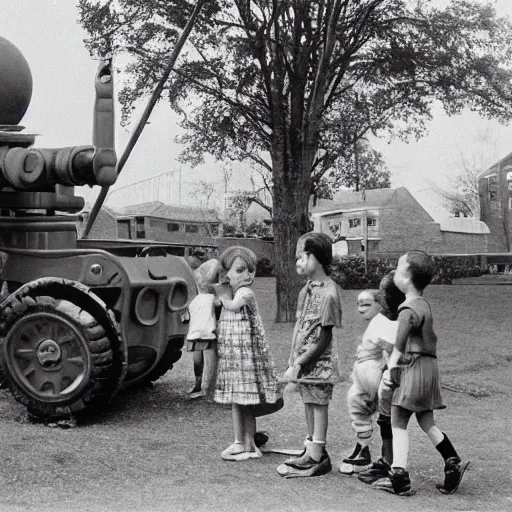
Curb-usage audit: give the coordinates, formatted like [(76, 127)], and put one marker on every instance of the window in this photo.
[(139, 227), (214, 229), (354, 223), (172, 226), (493, 179), (510, 203), (191, 228), (354, 246), (372, 222), (123, 229), (493, 195)]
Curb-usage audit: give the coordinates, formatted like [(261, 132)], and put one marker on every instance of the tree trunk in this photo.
[(290, 221)]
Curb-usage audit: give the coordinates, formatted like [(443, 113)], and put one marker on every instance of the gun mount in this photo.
[(77, 320)]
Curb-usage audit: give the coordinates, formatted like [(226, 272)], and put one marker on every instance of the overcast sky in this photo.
[(47, 33)]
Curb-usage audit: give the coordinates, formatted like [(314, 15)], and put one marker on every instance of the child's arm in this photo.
[(407, 319), (243, 297), (311, 355)]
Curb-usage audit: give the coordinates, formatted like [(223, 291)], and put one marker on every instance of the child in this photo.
[(246, 374), (371, 357), (202, 328), (313, 361), (413, 372)]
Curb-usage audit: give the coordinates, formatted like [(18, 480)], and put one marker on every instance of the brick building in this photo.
[(392, 222), (158, 222), (495, 191)]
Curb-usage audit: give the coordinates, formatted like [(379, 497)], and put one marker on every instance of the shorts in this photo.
[(318, 394)]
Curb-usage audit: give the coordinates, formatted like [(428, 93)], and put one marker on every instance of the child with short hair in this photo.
[(246, 374), (367, 394), (414, 373), (202, 329), (313, 362)]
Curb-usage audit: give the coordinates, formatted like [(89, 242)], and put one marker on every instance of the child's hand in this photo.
[(392, 377), (291, 374)]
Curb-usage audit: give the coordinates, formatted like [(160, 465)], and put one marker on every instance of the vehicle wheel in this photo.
[(171, 355), (57, 358)]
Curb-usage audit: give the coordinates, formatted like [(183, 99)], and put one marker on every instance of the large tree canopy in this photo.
[(294, 84)]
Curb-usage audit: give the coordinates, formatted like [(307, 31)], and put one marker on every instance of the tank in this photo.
[(79, 319)]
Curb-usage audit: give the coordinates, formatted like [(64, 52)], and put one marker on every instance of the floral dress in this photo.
[(246, 372)]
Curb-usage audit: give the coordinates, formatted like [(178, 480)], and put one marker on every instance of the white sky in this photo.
[(47, 33)]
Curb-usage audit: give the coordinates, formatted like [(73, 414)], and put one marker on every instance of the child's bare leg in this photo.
[(399, 421), (238, 424), (249, 429), (321, 421), (428, 425), (310, 419)]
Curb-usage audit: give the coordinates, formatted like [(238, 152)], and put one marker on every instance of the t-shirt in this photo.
[(319, 305), (379, 335), (202, 324), (415, 327)]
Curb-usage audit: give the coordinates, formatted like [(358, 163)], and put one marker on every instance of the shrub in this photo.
[(264, 267), (348, 271)]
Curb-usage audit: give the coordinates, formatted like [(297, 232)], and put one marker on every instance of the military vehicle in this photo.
[(79, 319)]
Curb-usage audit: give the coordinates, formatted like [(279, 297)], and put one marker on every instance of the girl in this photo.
[(246, 374), (313, 360)]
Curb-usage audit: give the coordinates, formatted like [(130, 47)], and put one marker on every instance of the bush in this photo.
[(264, 267), (348, 271)]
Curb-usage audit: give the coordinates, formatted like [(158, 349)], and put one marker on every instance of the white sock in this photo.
[(400, 447)]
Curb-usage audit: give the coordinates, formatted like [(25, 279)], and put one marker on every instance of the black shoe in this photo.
[(310, 467), (260, 438), (400, 482), (377, 470), (453, 473), (360, 456)]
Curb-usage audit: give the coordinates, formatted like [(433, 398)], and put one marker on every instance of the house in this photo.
[(495, 191), (391, 221), (157, 221)]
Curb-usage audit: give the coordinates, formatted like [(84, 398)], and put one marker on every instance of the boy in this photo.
[(313, 359), (414, 373)]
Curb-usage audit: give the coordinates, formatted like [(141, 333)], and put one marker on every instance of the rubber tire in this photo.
[(171, 355), (103, 382)]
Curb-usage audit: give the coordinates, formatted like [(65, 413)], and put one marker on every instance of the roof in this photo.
[(493, 168), (351, 200), (164, 211), (464, 225)]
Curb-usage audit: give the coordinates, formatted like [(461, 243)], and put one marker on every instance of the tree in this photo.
[(293, 85), (364, 170), (462, 196)]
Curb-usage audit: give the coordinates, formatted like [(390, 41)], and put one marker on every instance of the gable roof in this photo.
[(493, 169), (352, 200), (177, 213)]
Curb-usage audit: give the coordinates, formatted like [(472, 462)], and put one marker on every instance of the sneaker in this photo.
[(359, 461), (309, 467), (400, 482), (235, 451), (453, 473), (196, 394), (376, 471)]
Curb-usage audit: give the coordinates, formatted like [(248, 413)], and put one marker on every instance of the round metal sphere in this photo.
[(15, 83)]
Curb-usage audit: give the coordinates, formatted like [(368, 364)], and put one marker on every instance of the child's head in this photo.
[(238, 266), (416, 269), (207, 275), (367, 305), (389, 296), (313, 249)]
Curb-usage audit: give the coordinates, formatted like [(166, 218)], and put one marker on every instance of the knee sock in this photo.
[(446, 449), (400, 447), (387, 437)]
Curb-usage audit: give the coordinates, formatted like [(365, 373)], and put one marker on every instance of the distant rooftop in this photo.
[(178, 213), (464, 225), (351, 200)]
